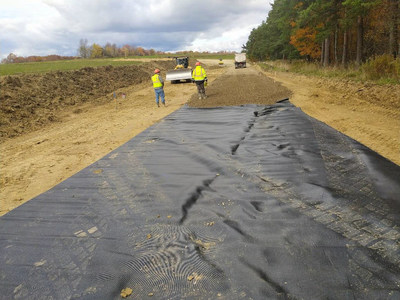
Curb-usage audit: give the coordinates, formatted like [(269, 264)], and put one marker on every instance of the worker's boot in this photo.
[(200, 96)]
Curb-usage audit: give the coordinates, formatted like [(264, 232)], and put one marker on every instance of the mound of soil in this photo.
[(386, 96), (244, 86), (30, 101)]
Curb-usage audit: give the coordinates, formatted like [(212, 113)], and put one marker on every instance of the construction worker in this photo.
[(158, 84), (199, 76)]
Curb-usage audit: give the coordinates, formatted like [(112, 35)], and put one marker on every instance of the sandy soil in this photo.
[(47, 152), (31, 101), (241, 86), (367, 113)]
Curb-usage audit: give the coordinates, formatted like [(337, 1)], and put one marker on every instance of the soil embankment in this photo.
[(366, 112), (64, 122), (30, 101)]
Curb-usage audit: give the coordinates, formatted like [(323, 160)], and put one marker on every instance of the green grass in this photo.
[(352, 72), (213, 56), (195, 55), (66, 65), (191, 55), (60, 65)]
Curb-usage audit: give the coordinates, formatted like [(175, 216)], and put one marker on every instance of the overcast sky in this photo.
[(44, 27)]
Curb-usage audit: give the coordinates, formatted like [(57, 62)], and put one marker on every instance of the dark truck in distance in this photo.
[(240, 60)]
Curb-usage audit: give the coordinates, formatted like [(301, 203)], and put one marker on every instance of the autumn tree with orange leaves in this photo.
[(334, 31), (304, 39)]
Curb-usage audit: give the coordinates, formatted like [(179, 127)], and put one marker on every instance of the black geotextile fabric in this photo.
[(243, 202)]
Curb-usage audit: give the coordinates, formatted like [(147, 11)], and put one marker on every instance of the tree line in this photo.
[(332, 32), (112, 50), (86, 51), (12, 58)]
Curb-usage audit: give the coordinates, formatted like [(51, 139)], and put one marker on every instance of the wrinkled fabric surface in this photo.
[(244, 202)]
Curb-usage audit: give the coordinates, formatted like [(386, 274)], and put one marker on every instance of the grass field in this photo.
[(212, 56), (65, 65), (382, 70), (60, 65)]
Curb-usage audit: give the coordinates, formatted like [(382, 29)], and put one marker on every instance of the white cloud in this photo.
[(42, 27)]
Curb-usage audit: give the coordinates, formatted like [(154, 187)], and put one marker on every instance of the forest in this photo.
[(330, 32)]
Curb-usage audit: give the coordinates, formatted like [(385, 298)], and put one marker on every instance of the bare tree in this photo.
[(345, 50), (11, 58), (394, 23), (360, 40), (326, 51), (84, 49)]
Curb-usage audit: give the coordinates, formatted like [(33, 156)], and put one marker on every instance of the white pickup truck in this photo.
[(240, 60)]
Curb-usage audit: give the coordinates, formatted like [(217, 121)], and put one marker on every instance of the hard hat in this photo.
[(157, 71), (198, 63)]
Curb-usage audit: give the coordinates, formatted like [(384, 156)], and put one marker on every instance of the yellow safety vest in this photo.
[(199, 73), (156, 81)]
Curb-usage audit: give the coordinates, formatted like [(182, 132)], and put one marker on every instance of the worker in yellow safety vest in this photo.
[(199, 76), (158, 84)]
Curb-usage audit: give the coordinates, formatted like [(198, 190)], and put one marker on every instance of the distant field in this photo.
[(213, 56), (60, 65), (65, 65)]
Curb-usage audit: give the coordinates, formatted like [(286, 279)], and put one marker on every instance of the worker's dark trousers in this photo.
[(200, 87)]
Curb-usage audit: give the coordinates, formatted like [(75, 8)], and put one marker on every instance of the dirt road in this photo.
[(35, 162)]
